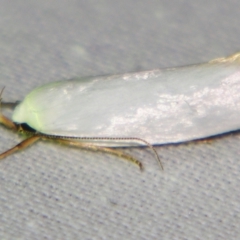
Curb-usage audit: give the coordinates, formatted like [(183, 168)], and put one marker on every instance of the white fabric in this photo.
[(54, 192)]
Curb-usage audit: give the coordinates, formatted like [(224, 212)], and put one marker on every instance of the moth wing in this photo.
[(159, 106)]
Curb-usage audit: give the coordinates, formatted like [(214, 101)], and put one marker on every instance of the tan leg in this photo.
[(29, 141), (4, 120), (93, 147), (10, 105), (7, 122), (125, 139), (25, 143)]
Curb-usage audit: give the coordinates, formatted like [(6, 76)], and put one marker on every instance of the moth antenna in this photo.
[(120, 139)]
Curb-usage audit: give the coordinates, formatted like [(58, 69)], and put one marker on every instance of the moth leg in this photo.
[(4, 120), (7, 122), (10, 105), (93, 147), (25, 143)]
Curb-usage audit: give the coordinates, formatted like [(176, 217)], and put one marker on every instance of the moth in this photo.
[(147, 108)]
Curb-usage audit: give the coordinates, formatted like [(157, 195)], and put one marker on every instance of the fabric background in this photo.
[(53, 192)]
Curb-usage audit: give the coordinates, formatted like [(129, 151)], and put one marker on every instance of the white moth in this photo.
[(147, 108)]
